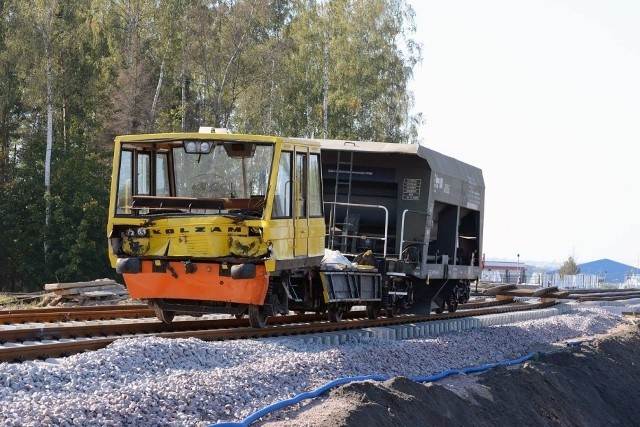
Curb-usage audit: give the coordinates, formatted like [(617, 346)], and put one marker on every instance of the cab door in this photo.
[(300, 200)]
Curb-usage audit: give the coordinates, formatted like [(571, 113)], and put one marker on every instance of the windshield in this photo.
[(163, 178), (216, 175)]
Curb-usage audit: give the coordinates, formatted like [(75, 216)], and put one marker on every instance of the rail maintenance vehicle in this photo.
[(254, 225)]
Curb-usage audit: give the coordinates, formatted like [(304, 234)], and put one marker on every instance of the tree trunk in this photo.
[(325, 76), (47, 161), (183, 94), (154, 105)]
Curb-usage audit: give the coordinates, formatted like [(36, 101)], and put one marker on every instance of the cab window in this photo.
[(315, 186), (301, 185), (282, 199)]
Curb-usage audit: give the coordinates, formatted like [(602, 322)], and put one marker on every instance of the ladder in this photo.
[(343, 167)]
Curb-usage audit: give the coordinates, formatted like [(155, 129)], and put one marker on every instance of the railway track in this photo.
[(65, 314), (30, 341)]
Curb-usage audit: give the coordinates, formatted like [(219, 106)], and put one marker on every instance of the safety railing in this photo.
[(346, 234)]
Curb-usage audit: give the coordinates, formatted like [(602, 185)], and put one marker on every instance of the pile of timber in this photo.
[(97, 292)]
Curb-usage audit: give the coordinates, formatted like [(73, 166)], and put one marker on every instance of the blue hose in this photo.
[(297, 399), (431, 378)]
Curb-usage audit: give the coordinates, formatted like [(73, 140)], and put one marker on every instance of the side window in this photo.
[(125, 189), (162, 175), (301, 185), (282, 199), (144, 174), (315, 186)]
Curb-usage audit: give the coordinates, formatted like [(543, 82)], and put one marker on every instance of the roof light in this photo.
[(211, 129)]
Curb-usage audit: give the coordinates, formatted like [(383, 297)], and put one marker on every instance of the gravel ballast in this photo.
[(189, 382)]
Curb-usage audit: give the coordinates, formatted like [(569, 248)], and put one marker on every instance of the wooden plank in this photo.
[(98, 294), (631, 313), (55, 286), (544, 291), (498, 289), (78, 291)]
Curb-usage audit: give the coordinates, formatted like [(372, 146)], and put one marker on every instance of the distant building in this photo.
[(504, 272), (608, 271)]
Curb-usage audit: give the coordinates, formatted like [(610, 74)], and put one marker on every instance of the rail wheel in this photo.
[(257, 316), (165, 316), (452, 301), (373, 311), (439, 309), (335, 314), (393, 311)]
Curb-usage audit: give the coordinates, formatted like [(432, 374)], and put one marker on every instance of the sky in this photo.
[(544, 97)]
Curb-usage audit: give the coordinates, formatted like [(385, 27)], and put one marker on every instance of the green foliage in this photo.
[(569, 268), (80, 218), (22, 212), (336, 69)]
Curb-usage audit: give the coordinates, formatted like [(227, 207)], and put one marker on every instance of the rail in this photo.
[(26, 342)]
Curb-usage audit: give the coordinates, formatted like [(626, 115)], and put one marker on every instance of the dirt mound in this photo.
[(594, 384)]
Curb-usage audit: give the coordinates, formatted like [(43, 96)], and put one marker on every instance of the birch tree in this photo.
[(42, 15), (349, 69)]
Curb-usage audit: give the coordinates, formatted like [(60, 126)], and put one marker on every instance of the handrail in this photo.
[(357, 205), (402, 241), (424, 242)]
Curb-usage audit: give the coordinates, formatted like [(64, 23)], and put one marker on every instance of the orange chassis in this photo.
[(209, 282)]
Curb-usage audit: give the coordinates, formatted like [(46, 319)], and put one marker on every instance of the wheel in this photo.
[(165, 316), (393, 311), (335, 314), (373, 311), (257, 316), (452, 302), (452, 306), (466, 294), (439, 309)]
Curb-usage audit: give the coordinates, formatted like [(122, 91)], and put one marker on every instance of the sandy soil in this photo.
[(596, 384)]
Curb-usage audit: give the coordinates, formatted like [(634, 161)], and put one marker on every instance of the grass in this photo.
[(6, 299), (13, 302)]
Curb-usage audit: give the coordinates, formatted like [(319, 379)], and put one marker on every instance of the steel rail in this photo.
[(73, 330), (65, 314), (93, 337)]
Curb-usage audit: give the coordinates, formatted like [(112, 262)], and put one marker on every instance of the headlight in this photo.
[(130, 232), (142, 232), (198, 147), (191, 147)]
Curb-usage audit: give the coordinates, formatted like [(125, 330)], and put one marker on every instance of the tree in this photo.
[(74, 74), (10, 88), (347, 70), (129, 27), (43, 14), (56, 97), (255, 110), (569, 268)]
